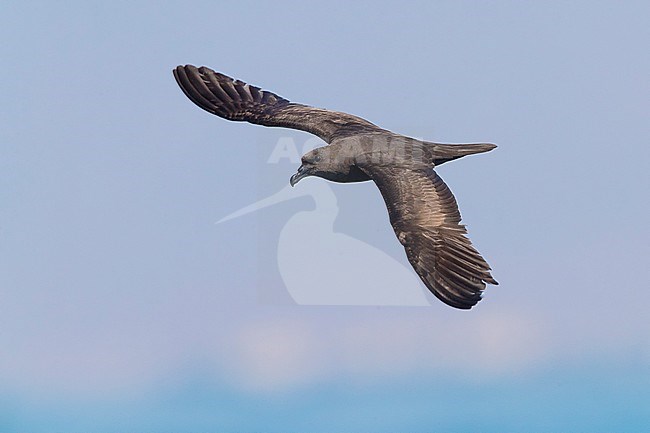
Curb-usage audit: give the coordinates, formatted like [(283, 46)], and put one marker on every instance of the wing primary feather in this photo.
[(188, 88), (201, 89), (217, 91)]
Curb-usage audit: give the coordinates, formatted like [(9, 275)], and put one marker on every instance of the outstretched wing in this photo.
[(238, 101), (426, 220)]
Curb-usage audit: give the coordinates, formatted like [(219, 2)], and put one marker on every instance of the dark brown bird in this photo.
[(422, 209)]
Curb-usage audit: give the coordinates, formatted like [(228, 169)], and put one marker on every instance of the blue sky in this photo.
[(124, 307)]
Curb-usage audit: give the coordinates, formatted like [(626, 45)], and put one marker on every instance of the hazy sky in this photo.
[(124, 307)]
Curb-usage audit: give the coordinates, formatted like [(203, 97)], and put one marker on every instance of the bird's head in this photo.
[(313, 163)]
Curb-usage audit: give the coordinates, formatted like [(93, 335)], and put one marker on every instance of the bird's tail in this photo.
[(441, 153)]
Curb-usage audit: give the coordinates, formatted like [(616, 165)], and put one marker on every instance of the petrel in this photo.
[(421, 208)]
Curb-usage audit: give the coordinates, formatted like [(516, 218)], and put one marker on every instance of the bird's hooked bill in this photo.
[(300, 174)]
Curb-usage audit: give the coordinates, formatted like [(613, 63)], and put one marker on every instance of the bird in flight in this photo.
[(421, 208)]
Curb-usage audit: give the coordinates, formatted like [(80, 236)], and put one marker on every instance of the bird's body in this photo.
[(422, 209)]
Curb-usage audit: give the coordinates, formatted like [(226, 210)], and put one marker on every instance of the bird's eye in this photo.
[(317, 158)]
